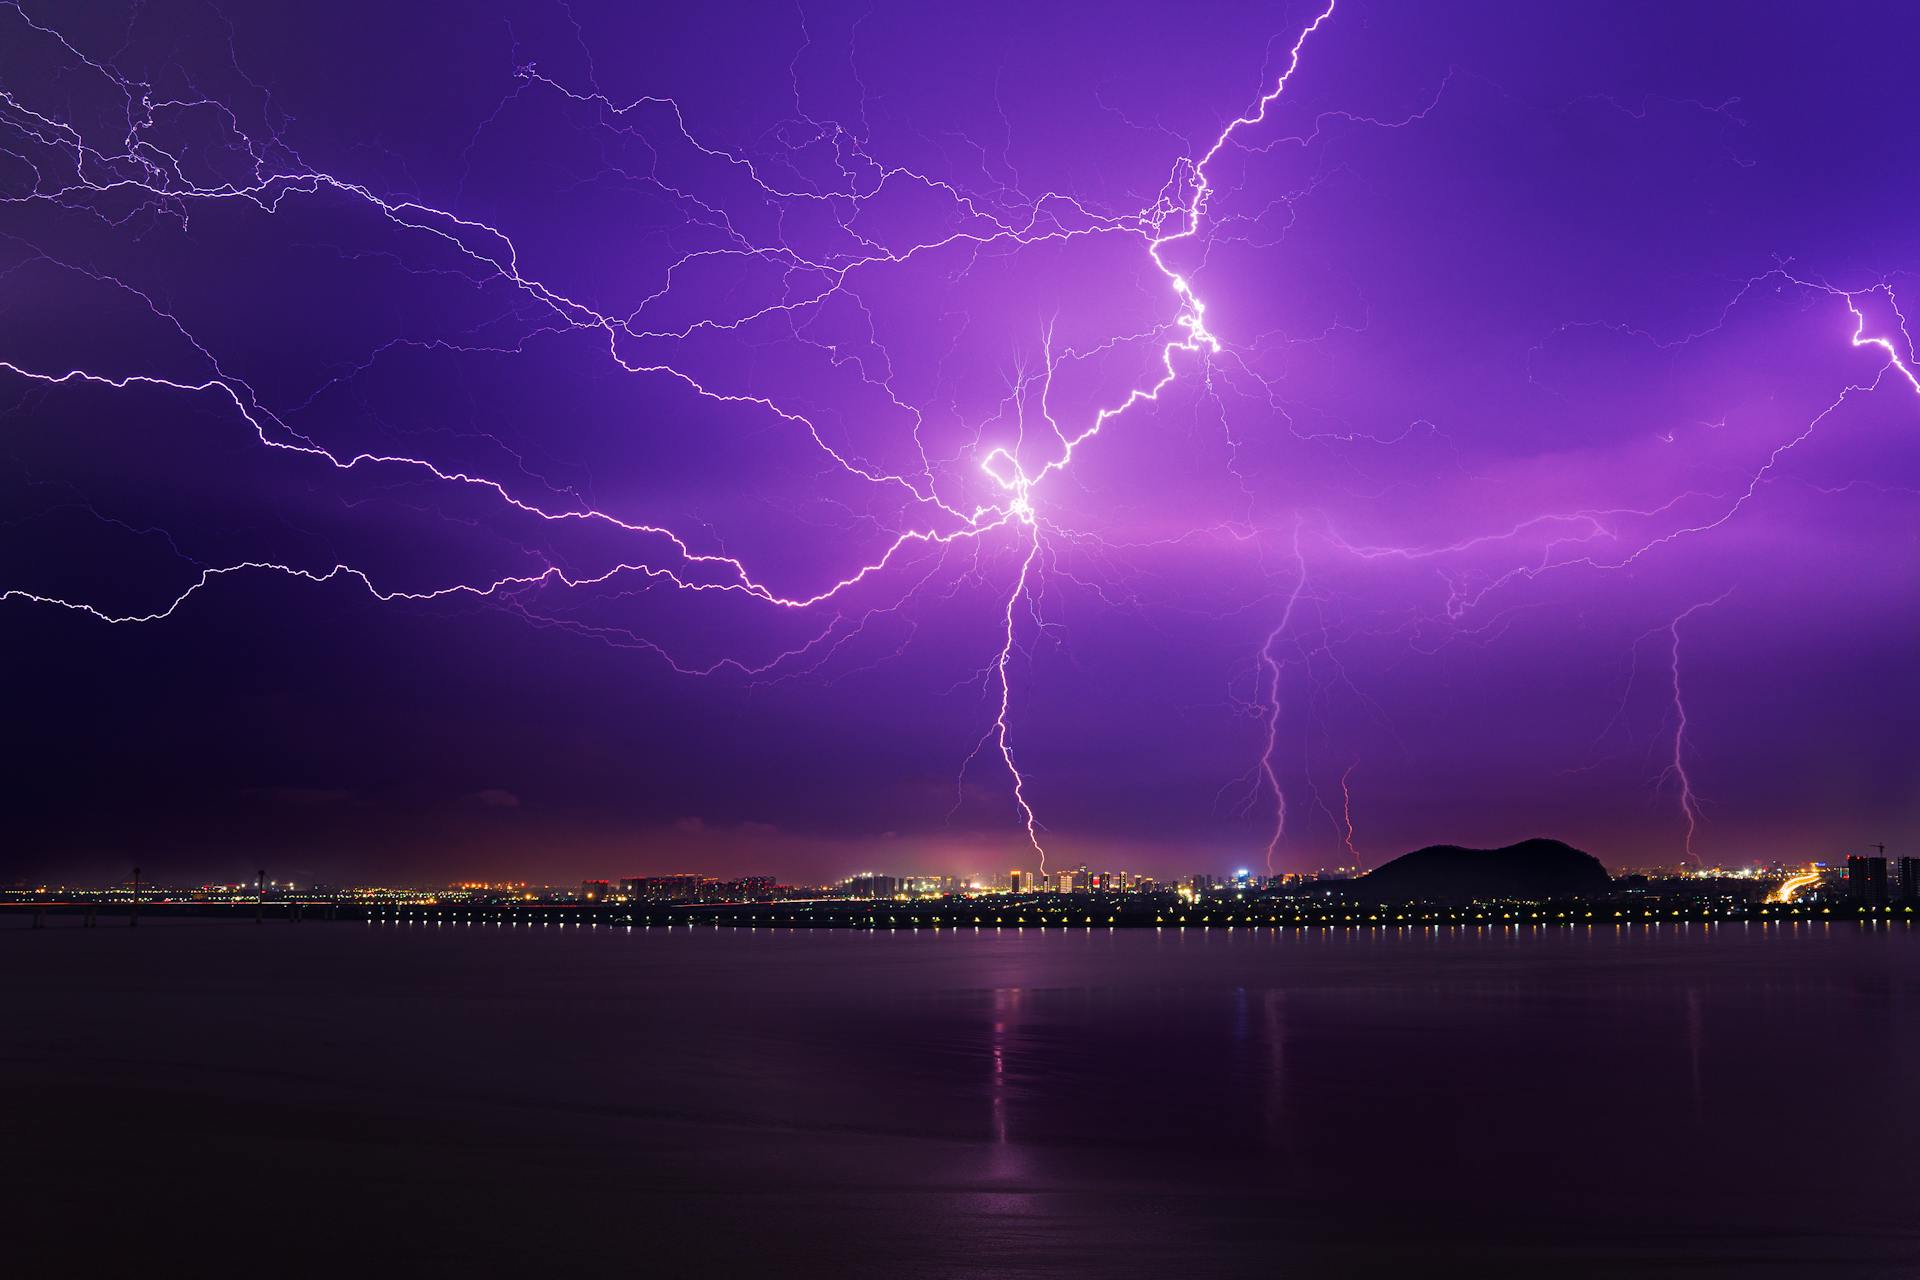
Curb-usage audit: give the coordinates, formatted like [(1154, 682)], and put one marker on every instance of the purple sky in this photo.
[(1538, 455)]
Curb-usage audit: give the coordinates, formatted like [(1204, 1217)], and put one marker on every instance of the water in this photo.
[(1704, 1100)]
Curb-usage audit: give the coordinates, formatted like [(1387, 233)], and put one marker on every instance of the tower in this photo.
[(1867, 881)]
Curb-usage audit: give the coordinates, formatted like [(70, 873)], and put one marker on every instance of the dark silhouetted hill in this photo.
[(1532, 869)]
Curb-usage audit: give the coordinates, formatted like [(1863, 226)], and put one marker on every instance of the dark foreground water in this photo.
[(351, 1099)]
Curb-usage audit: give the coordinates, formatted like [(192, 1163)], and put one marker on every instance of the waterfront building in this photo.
[(675, 888), (1867, 881), (1909, 879), (870, 885)]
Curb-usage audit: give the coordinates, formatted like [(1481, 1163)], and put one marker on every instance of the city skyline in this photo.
[(1282, 439), (1537, 882)]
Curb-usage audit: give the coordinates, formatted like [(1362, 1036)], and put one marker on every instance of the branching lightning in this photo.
[(989, 501), (139, 167)]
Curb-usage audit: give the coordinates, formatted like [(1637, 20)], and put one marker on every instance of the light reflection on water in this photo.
[(1017, 1102)]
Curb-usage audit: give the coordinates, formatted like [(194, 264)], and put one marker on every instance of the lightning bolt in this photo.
[(1346, 815), (139, 167), (1195, 339), (1272, 667), (1677, 769), (933, 509)]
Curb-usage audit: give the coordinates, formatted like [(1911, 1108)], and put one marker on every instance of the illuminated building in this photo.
[(676, 888), (594, 890), (869, 885), (1909, 879), (746, 889), (922, 886), (1867, 881)]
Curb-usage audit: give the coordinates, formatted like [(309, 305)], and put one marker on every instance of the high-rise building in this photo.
[(1909, 879), (1065, 882), (746, 888), (678, 888), (594, 890), (869, 885), (1016, 878), (1867, 881), (923, 886)]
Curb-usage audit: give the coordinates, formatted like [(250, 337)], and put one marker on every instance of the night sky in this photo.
[(539, 440)]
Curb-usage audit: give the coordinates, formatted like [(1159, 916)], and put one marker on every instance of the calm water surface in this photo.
[(1726, 1100)]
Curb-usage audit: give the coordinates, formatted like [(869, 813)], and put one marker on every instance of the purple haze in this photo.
[(562, 439)]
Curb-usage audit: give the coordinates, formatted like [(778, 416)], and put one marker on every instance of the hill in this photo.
[(1532, 869)]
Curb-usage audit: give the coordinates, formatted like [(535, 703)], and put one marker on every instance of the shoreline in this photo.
[(960, 915)]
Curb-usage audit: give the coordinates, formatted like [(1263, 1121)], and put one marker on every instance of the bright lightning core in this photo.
[(91, 172)]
